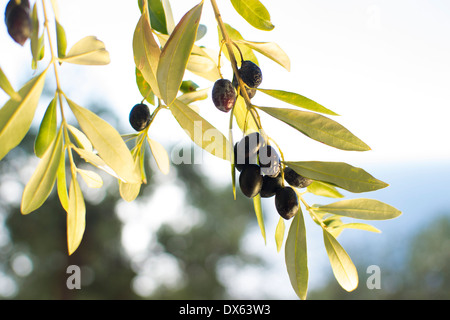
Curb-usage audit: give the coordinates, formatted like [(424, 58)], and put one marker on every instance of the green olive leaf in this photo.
[(61, 183), (43, 179), (6, 86), (343, 268), (368, 209), (47, 130), (297, 100), (157, 16), (319, 128), (339, 174), (16, 116), (146, 53), (80, 138), (259, 215), (243, 117), (88, 51), (296, 256), (107, 141), (271, 50), (254, 12), (323, 189), (61, 39), (160, 154), (76, 216), (92, 179), (201, 131), (279, 233), (175, 54)]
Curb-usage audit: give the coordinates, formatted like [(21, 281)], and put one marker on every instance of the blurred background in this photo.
[(382, 65)]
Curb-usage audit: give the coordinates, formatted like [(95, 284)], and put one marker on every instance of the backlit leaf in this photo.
[(271, 50), (61, 40), (61, 183), (360, 226), (92, 179), (130, 191), (343, 268), (319, 128), (144, 87), (368, 209), (340, 174), (88, 51), (47, 130), (297, 100), (175, 54), (16, 116), (254, 12), (6, 86), (259, 215), (243, 117), (201, 131), (296, 256), (323, 189), (107, 141), (76, 216), (80, 138), (279, 233), (43, 179), (146, 53), (160, 155)]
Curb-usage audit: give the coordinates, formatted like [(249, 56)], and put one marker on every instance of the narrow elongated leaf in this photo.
[(343, 268), (130, 191), (297, 100), (88, 51), (6, 86), (339, 174), (201, 131), (160, 155), (76, 216), (360, 226), (323, 189), (368, 209), (16, 116), (296, 256), (61, 183), (80, 138), (107, 141), (244, 119), (254, 12), (144, 87), (169, 16), (47, 130), (35, 44), (193, 96), (259, 215), (319, 128), (61, 39), (157, 16), (271, 50), (279, 233), (43, 179), (92, 179), (175, 54), (146, 53)]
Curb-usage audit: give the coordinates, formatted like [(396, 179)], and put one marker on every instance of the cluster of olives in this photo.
[(260, 173), (140, 117), (18, 20), (224, 91)]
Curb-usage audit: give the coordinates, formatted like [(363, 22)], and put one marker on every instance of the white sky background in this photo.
[(382, 65)]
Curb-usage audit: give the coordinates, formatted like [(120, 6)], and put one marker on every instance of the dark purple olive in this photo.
[(18, 21), (223, 95), (286, 202), (296, 180), (140, 117), (271, 185), (250, 180)]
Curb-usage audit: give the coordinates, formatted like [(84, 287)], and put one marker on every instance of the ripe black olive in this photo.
[(223, 95), (139, 117), (286, 202), (271, 185), (269, 161), (296, 180), (250, 180)]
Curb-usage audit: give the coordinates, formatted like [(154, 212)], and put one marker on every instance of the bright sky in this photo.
[(382, 65)]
